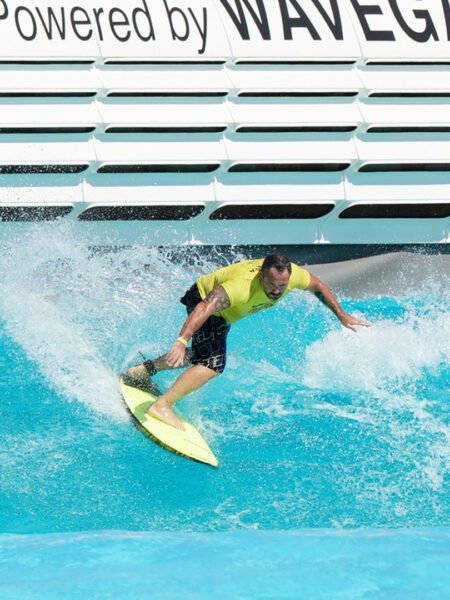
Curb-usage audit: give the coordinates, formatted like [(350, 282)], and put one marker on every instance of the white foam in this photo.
[(63, 305), (378, 358), (379, 369), (33, 307), (64, 354), (347, 412)]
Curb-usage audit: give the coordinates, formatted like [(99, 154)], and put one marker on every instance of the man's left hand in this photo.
[(349, 321)]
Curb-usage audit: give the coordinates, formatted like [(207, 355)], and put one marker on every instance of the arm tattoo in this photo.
[(218, 298)]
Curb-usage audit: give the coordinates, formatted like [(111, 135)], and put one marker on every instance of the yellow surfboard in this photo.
[(188, 443)]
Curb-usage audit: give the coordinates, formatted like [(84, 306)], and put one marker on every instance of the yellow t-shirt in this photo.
[(243, 286)]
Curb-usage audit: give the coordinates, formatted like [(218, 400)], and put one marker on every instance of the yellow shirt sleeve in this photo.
[(300, 278)]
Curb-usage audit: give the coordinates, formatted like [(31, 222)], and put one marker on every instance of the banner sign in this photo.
[(227, 28)]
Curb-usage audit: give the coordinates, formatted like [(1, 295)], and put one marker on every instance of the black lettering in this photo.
[(97, 13), (201, 31), (84, 20), (32, 36), (170, 13), (115, 23), (5, 13), (146, 15), (334, 24), (446, 7), (48, 27), (301, 21), (417, 36), (371, 36), (240, 21)]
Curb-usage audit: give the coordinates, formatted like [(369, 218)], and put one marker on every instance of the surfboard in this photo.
[(188, 443)]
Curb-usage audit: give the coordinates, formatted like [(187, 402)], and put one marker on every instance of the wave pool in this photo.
[(334, 447)]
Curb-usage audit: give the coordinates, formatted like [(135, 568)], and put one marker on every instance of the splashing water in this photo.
[(69, 306), (387, 356), (387, 370)]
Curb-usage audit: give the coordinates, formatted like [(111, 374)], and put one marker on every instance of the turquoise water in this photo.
[(314, 427), (319, 564)]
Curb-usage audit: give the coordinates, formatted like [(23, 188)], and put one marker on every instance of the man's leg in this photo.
[(209, 357), (208, 347), (140, 375), (190, 380)]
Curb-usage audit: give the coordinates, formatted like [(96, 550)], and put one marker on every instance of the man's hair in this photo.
[(279, 261)]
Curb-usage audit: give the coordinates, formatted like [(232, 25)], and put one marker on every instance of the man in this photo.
[(213, 303)]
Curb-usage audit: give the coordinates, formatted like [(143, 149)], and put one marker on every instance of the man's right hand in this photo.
[(175, 356), (215, 301)]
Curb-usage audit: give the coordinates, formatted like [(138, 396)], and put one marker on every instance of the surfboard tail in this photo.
[(188, 443)]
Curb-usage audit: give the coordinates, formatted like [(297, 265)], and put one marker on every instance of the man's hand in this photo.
[(215, 301), (176, 355), (350, 322)]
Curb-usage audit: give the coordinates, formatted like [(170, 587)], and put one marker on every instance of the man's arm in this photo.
[(326, 296), (214, 302)]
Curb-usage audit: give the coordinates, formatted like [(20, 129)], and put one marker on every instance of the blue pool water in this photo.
[(312, 564), (334, 447)]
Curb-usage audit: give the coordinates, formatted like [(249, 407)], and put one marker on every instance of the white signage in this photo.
[(226, 28)]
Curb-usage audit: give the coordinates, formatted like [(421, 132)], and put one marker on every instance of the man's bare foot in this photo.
[(163, 413)]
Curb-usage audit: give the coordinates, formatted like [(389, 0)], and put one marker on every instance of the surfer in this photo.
[(213, 303)]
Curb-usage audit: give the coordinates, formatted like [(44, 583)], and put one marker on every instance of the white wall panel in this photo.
[(40, 152), (159, 151), (280, 192), (300, 78), (405, 79), (405, 150), (29, 112), (163, 78), (303, 112), (50, 78), (414, 112), (311, 150), (168, 113)]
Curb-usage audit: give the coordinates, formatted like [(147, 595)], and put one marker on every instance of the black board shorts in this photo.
[(209, 343)]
